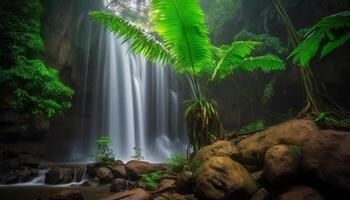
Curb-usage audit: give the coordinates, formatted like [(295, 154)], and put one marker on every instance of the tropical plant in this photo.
[(305, 51), (151, 179), (35, 90), (137, 154), (184, 42), (177, 163), (104, 154), (325, 36), (202, 120)]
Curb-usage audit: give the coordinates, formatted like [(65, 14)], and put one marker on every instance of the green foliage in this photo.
[(258, 125), (104, 154), (270, 42), (177, 163), (233, 58), (181, 24), (296, 149), (141, 41), (36, 90), (137, 154), (328, 34), (19, 30), (202, 119), (151, 180), (219, 12), (269, 91), (326, 118)]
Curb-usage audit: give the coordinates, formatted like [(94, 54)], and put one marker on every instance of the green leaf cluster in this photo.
[(36, 90), (151, 179), (325, 36), (258, 125), (104, 154), (177, 163), (137, 154)]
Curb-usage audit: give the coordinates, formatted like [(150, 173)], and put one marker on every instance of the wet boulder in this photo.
[(294, 132), (136, 169), (326, 156), (300, 193), (282, 165), (104, 174), (59, 175), (223, 178), (262, 194), (219, 148), (119, 171), (118, 185), (184, 183)]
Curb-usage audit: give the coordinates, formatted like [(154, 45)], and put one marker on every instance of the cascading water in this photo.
[(141, 104), (122, 95)]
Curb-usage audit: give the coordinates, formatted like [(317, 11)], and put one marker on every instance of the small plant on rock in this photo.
[(151, 180), (177, 163), (137, 154), (104, 154)]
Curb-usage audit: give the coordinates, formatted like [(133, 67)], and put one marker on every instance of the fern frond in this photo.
[(325, 31), (232, 56), (266, 63), (181, 25), (329, 47), (141, 41)]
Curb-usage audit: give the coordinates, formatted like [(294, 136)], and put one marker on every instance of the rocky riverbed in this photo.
[(293, 160)]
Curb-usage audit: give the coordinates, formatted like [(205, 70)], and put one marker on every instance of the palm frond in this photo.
[(231, 57), (329, 47), (141, 41), (181, 25), (333, 29), (266, 63)]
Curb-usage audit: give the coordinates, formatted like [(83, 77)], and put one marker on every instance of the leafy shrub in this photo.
[(38, 91), (177, 163), (35, 90), (269, 91), (137, 154), (104, 154), (151, 180), (252, 127)]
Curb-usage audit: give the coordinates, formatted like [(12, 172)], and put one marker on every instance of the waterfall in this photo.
[(139, 104)]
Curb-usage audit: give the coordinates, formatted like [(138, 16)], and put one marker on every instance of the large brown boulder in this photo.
[(118, 184), (223, 178), (219, 148), (184, 183), (134, 194), (300, 193), (59, 175), (119, 171), (104, 174), (281, 165), (136, 168), (262, 194), (294, 132), (327, 157)]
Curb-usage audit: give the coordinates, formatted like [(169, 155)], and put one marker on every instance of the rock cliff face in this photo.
[(65, 31)]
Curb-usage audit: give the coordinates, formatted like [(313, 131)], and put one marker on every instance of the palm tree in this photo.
[(181, 38)]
